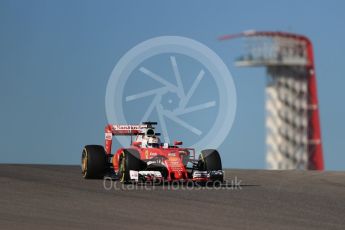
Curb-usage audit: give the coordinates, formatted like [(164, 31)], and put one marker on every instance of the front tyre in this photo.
[(93, 162), (210, 161), (129, 160)]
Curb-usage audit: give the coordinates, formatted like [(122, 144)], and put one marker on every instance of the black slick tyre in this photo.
[(129, 160), (93, 162)]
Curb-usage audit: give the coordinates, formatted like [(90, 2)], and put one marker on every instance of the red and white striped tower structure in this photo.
[(293, 126)]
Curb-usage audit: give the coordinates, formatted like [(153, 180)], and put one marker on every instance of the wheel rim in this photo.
[(122, 168), (84, 163)]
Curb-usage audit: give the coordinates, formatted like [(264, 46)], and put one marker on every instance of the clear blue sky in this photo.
[(56, 58)]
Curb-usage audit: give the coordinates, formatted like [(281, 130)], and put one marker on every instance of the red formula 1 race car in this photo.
[(147, 159)]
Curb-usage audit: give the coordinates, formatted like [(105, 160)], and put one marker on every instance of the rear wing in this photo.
[(125, 130)]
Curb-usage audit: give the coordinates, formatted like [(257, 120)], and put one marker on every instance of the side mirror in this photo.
[(178, 143), (136, 143)]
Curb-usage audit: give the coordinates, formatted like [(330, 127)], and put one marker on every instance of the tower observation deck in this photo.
[(293, 138)]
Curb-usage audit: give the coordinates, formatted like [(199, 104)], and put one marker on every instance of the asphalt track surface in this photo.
[(56, 197)]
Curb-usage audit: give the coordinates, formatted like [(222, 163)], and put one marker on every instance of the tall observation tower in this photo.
[(292, 116)]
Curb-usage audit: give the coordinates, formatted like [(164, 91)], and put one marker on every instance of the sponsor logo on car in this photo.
[(129, 127), (108, 136)]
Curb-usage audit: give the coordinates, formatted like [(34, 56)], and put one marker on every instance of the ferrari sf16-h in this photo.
[(147, 159)]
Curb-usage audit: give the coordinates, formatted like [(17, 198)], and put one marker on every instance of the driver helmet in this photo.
[(153, 142)]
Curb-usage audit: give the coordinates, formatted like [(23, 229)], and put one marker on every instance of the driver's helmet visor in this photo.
[(153, 145), (153, 142)]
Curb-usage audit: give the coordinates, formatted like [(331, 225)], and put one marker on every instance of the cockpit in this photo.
[(149, 139)]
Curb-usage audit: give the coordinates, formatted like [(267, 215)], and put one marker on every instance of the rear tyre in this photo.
[(209, 160), (93, 162), (129, 160)]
